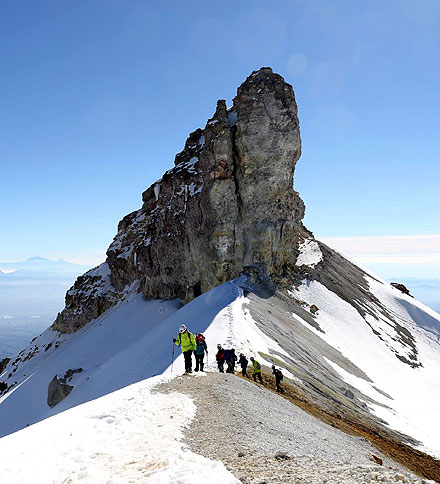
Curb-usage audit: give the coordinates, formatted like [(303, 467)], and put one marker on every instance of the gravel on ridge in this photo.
[(263, 438)]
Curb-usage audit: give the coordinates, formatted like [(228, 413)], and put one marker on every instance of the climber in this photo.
[(187, 343), (201, 347), (230, 358), (257, 370), (220, 357), (243, 363), (278, 378)]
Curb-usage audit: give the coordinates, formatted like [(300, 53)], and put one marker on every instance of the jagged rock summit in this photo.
[(227, 207)]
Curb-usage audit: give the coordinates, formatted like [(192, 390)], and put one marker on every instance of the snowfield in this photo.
[(129, 436), (413, 402)]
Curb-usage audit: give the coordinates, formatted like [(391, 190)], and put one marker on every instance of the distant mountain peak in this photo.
[(37, 257)]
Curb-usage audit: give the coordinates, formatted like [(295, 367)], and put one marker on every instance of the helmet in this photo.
[(252, 358), (273, 367), (200, 337), (182, 329), (219, 346)]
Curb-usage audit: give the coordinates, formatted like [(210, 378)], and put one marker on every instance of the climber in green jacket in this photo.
[(187, 343), (257, 370)]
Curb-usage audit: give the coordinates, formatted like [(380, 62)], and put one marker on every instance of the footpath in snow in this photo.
[(168, 430)]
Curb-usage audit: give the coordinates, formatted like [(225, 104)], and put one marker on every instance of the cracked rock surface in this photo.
[(228, 203), (227, 207)]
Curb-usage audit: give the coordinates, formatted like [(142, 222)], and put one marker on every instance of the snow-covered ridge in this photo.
[(128, 343)]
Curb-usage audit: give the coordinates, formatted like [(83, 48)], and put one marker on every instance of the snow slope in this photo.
[(130, 342), (133, 342), (132, 435), (409, 398)]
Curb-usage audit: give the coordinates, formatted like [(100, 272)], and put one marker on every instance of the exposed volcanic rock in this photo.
[(402, 288), (59, 388), (91, 295), (227, 204), (4, 364), (227, 207)]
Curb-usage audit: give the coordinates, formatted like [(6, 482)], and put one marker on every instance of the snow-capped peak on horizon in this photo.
[(37, 257), (38, 263)]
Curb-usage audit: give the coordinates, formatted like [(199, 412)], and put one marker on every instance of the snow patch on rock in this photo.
[(309, 253)]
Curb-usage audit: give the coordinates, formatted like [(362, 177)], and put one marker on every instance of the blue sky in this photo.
[(97, 96)]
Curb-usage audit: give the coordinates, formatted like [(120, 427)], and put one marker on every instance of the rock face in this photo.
[(91, 295), (227, 207), (57, 391), (58, 388), (402, 288), (228, 203), (4, 364)]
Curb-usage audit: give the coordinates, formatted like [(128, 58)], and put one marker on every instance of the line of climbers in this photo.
[(190, 344)]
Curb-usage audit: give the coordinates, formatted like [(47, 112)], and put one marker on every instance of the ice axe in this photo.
[(172, 358)]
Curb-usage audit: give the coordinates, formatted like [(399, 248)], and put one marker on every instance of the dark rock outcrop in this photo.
[(402, 288), (4, 364), (227, 207), (228, 203), (59, 389), (91, 295)]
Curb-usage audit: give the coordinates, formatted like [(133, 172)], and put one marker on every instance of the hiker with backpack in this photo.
[(243, 363), (278, 378), (257, 370), (230, 358), (201, 347), (187, 343), (220, 357)]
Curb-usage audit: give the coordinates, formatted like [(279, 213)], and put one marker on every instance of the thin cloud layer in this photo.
[(405, 249)]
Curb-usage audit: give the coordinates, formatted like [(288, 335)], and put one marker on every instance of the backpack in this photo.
[(279, 374), (258, 366)]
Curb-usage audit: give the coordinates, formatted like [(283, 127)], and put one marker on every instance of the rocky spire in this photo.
[(227, 207)]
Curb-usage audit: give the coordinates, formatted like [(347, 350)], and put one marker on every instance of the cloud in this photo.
[(88, 257), (396, 249)]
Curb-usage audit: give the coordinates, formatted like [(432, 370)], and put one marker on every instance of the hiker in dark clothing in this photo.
[(243, 363), (278, 378), (230, 358), (200, 351), (257, 370), (220, 357)]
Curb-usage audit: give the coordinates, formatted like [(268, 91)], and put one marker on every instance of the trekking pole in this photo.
[(172, 359)]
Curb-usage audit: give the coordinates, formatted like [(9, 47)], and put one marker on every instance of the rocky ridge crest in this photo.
[(226, 208)]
